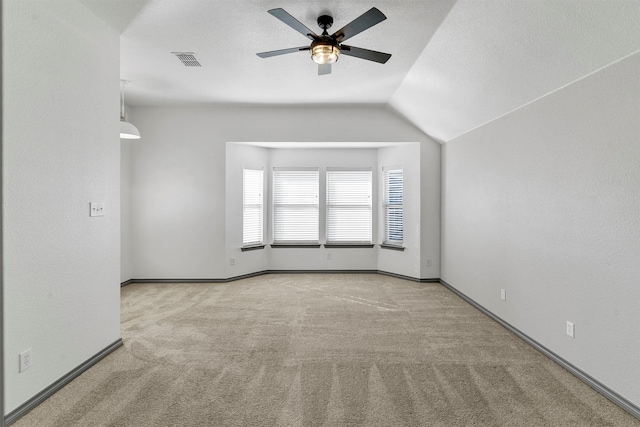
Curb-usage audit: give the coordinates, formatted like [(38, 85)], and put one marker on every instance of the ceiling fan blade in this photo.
[(282, 51), (324, 69), (285, 17), (369, 55), (367, 20)]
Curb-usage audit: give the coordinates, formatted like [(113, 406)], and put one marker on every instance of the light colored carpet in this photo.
[(318, 350)]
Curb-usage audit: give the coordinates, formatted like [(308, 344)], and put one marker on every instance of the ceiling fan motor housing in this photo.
[(325, 22)]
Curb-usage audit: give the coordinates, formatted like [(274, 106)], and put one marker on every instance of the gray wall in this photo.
[(407, 262), (126, 266), (544, 202), (239, 157), (182, 175), (60, 152), (405, 155)]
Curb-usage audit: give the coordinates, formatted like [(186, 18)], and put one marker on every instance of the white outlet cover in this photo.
[(25, 360), (503, 294), (571, 331)]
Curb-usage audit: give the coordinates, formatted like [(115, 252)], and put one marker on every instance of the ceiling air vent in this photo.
[(187, 58)]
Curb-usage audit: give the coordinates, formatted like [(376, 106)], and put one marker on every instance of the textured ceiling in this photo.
[(455, 66), (491, 57), (117, 13), (226, 35)]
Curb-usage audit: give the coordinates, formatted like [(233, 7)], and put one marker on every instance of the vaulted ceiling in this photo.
[(455, 65)]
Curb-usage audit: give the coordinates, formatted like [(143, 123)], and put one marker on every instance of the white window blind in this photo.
[(349, 206), (295, 206), (392, 202), (252, 207)]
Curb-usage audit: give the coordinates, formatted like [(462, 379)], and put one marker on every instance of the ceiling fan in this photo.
[(325, 49)]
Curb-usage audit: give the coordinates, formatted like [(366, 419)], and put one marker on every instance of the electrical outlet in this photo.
[(25, 360), (571, 331), (429, 262), (329, 256), (232, 261), (503, 294)]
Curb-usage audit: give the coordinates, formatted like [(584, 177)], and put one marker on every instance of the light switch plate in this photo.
[(96, 209)]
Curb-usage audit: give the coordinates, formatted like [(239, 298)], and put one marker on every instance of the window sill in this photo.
[(392, 247), (347, 245), (293, 245), (252, 248)]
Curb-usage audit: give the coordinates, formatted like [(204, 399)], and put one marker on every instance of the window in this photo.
[(295, 206), (349, 206), (392, 200), (252, 207)]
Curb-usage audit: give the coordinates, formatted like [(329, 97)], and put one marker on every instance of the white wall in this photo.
[(60, 152), (179, 177), (544, 203)]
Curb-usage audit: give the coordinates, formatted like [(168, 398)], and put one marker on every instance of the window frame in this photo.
[(253, 244), (277, 207), (387, 205), (334, 206)]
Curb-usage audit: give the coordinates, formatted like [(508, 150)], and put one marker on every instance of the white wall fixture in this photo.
[(96, 209), (571, 331), (25, 360), (127, 130)]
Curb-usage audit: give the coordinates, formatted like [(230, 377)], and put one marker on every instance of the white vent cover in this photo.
[(187, 58)]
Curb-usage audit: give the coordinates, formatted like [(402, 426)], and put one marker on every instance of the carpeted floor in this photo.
[(318, 350)]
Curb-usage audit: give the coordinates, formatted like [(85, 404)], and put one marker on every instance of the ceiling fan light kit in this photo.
[(326, 49), (323, 53)]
